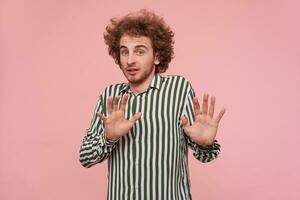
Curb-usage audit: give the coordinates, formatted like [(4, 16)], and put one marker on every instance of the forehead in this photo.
[(132, 41)]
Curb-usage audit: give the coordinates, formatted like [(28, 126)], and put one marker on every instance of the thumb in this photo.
[(135, 117), (102, 117), (184, 121)]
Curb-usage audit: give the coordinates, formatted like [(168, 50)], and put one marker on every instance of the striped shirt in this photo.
[(151, 161)]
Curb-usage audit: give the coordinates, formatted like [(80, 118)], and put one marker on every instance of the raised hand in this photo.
[(205, 127), (115, 123)]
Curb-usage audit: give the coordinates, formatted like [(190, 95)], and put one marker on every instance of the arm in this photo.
[(203, 153), (95, 148)]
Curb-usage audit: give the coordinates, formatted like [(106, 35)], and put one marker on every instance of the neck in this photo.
[(137, 88)]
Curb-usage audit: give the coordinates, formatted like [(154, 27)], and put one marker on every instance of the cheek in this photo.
[(122, 64), (122, 61), (149, 62)]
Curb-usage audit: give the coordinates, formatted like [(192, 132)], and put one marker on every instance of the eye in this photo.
[(140, 52), (124, 52)]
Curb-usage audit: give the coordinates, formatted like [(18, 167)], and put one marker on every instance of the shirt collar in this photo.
[(155, 83)]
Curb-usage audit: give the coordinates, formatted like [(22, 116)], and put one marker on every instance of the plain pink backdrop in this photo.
[(54, 64)]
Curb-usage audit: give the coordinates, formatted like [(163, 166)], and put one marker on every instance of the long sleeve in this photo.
[(95, 148), (203, 154)]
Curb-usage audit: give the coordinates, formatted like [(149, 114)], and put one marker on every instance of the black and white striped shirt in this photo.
[(151, 161)]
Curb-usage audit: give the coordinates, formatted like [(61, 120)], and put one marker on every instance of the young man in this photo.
[(144, 127)]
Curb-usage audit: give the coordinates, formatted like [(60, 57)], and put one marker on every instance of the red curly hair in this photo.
[(142, 23)]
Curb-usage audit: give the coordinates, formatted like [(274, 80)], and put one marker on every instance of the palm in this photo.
[(205, 127), (115, 123)]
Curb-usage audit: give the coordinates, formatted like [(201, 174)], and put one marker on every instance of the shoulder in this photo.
[(178, 80), (117, 86), (176, 77), (113, 89)]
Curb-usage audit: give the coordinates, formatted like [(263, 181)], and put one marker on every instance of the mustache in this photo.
[(131, 67)]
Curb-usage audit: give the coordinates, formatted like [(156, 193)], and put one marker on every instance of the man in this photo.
[(144, 127)]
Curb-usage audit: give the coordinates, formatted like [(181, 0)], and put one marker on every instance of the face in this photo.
[(137, 59)]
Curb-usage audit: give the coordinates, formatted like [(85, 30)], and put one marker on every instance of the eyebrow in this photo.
[(137, 46)]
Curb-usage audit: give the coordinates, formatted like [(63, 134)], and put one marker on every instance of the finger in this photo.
[(109, 104), (205, 104), (124, 101), (184, 121), (212, 106), (219, 117), (135, 117), (102, 117), (116, 103), (196, 106)]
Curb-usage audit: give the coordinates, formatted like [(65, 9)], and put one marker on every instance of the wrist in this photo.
[(110, 137), (206, 144)]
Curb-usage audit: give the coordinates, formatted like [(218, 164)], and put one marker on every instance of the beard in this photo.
[(140, 76)]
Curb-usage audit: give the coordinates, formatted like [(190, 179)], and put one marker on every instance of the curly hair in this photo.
[(142, 23)]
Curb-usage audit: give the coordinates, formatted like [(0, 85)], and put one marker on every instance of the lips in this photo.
[(132, 71)]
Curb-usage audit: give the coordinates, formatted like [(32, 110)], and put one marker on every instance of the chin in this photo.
[(134, 81), (133, 78)]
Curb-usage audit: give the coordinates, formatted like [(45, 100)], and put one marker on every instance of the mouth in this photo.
[(132, 71)]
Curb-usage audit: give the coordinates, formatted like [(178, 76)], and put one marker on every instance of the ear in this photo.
[(156, 60)]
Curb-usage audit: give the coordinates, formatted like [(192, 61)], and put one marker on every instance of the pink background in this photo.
[(54, 64)]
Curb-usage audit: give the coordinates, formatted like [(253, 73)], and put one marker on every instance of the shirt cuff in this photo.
[(109, 142), (214, 146)]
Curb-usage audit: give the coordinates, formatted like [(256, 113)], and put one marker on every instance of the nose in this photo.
[(130, 59)]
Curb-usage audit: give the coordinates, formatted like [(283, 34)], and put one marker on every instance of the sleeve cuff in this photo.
[(214, 146), (109, 142)]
